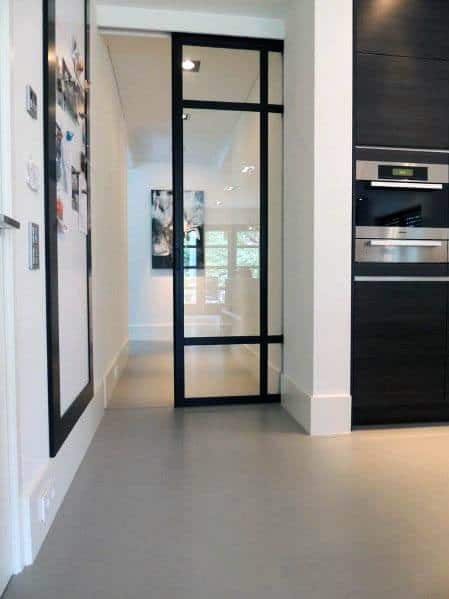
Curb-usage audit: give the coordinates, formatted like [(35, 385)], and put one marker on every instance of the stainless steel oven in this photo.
[(401, 212)]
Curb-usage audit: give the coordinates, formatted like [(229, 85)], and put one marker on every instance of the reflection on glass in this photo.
[(221, 163), (274, 368), (275, 237), (221, 74), (222, 370), (275, 78)]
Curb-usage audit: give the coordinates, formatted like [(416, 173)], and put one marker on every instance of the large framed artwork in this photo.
[(67, 218), (162, 229)]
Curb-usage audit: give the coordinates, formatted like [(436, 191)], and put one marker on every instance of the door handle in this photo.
[(6, 222), (405, 243)]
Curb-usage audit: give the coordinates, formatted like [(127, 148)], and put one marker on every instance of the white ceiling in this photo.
[(259, 8), (142, 66)]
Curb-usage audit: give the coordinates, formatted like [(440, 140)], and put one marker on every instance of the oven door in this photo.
[(398, 210)]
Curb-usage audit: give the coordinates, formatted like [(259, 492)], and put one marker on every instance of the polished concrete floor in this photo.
[(210, 371), (148, 378), (237, 503)]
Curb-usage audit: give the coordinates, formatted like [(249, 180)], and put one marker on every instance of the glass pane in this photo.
[(221, 370), (221, 165), (274, 368), (221, 74), (275, 193), (275, 78)]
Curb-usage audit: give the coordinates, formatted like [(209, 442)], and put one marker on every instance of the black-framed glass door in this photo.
[(227, 206)]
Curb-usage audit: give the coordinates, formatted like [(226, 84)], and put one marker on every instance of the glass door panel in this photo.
[(221, 74), (222, 371), (221, 223)]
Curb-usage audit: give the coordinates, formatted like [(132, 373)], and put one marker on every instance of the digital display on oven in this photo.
[(403, 173)]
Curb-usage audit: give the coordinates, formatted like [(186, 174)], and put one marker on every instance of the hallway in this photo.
[(236, 502)]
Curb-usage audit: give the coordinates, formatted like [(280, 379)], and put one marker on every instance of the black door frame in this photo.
[(263, 108)]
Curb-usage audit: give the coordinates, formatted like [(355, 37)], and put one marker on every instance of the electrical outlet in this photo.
[(46, 502), (45, 506)]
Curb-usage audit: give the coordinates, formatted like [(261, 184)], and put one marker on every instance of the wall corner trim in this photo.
[(319, 415)]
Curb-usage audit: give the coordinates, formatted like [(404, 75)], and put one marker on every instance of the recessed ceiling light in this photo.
[(191, 65), (186, 116), (219, 203), (248, 170), (230, 188)]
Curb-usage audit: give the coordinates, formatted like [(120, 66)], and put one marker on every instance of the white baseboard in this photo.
[(58, 476), (317, 414), (114, 372)]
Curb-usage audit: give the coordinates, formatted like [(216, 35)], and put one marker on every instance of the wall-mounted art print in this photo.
[(69, 92), (162, 229), (193, 229), (59, 159), (75, 190)]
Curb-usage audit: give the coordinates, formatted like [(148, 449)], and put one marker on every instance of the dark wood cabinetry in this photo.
[(416, 28), (402, 73), (402, 102), (400, 352)]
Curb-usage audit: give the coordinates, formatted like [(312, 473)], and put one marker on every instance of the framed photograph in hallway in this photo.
[(68, 247), (162, 229)]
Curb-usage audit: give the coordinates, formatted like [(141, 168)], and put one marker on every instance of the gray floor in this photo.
[(237, 503)]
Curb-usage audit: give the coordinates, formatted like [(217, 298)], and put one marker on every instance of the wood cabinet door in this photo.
[(402, 102), (399, 352), (416, 28)]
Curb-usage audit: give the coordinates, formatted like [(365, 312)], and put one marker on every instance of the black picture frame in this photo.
[(60, 425)]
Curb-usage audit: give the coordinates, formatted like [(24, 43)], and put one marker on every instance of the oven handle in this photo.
[(400, 279), (406, 185), (405, 243)]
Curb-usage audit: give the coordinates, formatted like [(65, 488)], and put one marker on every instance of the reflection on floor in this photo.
[(148, 378), (210, 371), (221, 370), (235, 503)]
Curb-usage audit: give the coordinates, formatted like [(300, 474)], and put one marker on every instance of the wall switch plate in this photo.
[(33, 246), (31, 102), (33, 175)]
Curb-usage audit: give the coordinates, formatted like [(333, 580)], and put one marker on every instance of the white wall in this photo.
[(109, 213), (318, 176), (37, 471)]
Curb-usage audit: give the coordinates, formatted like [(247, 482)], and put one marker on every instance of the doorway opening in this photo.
[(204, 118)]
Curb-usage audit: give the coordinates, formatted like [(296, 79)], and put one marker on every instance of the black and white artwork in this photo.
[(69, 93), (162, 229), (75, 189)]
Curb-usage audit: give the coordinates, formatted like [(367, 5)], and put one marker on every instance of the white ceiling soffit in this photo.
[(251, 8), (188, 17)]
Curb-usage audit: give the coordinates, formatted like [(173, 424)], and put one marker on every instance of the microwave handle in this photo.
[(405, 243), (406, 185)]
